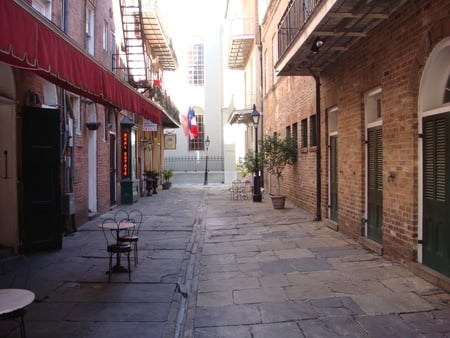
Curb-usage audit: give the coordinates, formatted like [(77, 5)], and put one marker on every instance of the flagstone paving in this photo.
[(279, 273), (212, 267)]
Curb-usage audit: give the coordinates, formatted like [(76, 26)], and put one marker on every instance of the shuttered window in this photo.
[(434, 143), (375, 158)]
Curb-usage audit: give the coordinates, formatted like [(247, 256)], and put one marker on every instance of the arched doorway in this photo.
[(434, 160)]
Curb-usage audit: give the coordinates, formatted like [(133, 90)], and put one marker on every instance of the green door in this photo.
[(375, 183), (436, 190), (333, 179)]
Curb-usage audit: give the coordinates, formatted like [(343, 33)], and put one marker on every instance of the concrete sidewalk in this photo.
[(213, 267)]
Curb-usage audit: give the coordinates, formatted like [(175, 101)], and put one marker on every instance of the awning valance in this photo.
[(29, 41)]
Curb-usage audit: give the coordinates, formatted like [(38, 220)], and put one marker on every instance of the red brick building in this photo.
[(365, 87), (65, 88)]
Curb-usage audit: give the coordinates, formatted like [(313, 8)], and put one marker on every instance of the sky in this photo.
[(183, 17)]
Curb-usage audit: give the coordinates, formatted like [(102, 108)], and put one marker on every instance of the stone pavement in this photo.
[(265, 273), (73, 296), (212, 267)]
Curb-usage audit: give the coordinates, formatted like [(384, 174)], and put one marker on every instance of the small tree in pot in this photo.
[(276, 154)]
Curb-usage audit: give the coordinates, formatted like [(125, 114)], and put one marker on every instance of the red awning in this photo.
[(29, 41)]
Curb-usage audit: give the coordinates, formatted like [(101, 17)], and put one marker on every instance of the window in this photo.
[(378, 108), (313, 131), (196, 65), (89, 42), (105, 36), (373, 105), (295, 133), (44, 7), (304, 134), (73, 107), (113, 54), (198, 143), (274, 57), (266, 74), (288, 131), (447, 91)]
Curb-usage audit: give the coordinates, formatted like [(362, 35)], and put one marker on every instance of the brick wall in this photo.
[(391, 57)]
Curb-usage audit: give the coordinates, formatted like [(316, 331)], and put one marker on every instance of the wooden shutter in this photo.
[(434, 143), (375, 159)]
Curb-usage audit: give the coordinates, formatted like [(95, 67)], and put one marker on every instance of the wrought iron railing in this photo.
[(296, 15), (193, 163), (160, 95)]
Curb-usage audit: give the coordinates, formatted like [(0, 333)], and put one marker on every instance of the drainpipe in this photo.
[(261, 109), (318, 155)]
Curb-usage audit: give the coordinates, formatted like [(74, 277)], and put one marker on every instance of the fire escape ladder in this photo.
[(134, 43)]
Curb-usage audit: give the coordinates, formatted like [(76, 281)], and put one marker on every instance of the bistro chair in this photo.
[(121, 215), (111, 231), (132, 234)]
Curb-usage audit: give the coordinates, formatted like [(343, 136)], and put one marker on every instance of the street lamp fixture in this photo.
[(256, 179), (207, 142)]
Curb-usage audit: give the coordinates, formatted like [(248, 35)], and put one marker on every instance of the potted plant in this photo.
[(276, 154), (151, 181), (167, 174)]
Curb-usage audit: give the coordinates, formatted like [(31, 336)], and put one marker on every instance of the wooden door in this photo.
[(436, 192), (375, 183), (333, 178), (112, 169), (42, 220)]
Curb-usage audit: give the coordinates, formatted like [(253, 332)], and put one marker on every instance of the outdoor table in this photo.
[(14, 304), (118, 227)]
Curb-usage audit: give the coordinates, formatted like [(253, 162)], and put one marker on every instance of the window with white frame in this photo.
[(198, 142), (73, 107), (372, 102), (89, 31), (113, 53), (105, 36), (44, 7), (196, 65), (274, 57), (266, 74)]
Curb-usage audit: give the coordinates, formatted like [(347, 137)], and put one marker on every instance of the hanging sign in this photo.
[(149, 126), (125, 154)]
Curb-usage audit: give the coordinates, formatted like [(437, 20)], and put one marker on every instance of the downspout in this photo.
[(261, 109), (318, 154)]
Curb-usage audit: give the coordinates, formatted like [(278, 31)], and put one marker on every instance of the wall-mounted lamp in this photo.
[(317, 44), (391, 176)]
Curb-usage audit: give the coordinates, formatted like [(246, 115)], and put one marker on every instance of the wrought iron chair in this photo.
[(132, 235), (111, 231)]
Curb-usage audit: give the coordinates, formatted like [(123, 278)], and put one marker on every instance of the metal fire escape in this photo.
[(137, 60)]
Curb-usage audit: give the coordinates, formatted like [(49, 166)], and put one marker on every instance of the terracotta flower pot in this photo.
[(278, 201)]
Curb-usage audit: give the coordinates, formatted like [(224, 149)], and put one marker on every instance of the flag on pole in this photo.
[(184, 123), (192, 123)]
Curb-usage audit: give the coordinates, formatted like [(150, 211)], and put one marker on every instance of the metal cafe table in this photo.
[(14, 304), (118, 227)]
